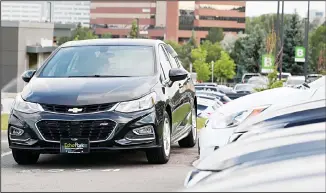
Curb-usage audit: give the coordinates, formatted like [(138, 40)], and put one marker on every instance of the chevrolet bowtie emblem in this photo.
[(75, 110)]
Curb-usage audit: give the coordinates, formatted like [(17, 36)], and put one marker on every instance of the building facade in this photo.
[(65, 12), (172, 20)]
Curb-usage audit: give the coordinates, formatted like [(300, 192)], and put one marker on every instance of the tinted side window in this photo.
[(165, 64), (173, 61)]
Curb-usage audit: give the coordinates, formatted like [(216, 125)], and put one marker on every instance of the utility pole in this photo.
[(50, 10), (277, 26), (212, 71), (282, 39), (137, 27), (306, 42)]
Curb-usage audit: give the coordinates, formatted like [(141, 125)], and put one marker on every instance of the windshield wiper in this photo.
[(96, 75)]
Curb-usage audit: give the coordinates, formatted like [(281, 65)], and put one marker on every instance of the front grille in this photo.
[(82, 109), (92, 129)]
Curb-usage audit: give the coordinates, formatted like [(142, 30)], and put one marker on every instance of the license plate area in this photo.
[(74, 145)]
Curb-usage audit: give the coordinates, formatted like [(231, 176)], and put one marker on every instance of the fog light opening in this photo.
[(146, 130), (16, 131)]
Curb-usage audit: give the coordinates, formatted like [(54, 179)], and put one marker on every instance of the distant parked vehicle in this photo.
[(258, 82), (203, 96), (222, 97), (226, 89), (284, 76), (244, 88), (206, 84), (293, 81), (313, 77), (206, 107), (247, 76)]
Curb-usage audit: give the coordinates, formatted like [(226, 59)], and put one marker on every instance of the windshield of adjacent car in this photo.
[(112, 60)]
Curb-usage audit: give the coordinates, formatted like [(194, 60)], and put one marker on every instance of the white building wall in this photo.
[(39, 11)]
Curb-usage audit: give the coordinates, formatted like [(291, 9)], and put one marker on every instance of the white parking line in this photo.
[(6, 153)]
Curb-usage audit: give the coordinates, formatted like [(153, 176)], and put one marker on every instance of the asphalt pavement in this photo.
[(125, 171)]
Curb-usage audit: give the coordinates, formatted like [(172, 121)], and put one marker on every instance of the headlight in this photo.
[(143, 103), (235, 119), (26, 107)]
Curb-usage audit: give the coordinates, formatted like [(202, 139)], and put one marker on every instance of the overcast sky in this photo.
[(255, 8)]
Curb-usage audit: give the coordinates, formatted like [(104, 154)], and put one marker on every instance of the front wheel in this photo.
[(24, 157), (162, 155), (190, 140)]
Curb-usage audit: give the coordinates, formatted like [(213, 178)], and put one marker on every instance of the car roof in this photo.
[(284, 112), (266, 97), (113, 41), (305, 173), (267, 144), (296, 78)]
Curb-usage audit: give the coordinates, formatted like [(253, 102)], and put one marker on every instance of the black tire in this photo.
[(189, 141), (158, 155), (24, 157), (198, 148)]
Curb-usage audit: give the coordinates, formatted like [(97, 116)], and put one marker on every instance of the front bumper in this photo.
[(120, 137)]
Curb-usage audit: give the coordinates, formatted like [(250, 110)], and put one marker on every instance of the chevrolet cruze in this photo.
[(103, 95)]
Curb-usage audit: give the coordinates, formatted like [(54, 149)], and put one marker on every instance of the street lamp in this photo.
[(50, 10), (212, 71)]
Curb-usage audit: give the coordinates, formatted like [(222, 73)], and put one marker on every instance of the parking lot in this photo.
[(106, 172)]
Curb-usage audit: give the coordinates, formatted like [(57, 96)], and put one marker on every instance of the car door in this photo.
[(186, 97), (171, 90)]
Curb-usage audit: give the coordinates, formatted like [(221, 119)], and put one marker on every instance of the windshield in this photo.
[(101, 61)]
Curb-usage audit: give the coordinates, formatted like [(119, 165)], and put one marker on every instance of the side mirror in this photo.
[(176, 74), (27, 75)]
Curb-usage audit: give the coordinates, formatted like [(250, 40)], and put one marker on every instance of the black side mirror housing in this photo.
[(177, 74), (27, 75)]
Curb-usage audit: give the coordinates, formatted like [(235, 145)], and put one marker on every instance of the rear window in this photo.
[(101, 60)]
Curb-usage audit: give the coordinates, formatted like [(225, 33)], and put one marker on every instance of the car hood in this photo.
[(86, 91)]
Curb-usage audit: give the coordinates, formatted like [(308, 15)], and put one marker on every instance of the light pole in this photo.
[(212, 71), (306, 42), (282, 40), (137, 27), (50, 10)]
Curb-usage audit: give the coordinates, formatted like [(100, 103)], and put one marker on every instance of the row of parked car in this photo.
[(272, 140)]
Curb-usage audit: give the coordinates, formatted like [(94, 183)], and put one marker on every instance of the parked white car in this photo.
[(293, 81), (225, 120), (206, 107)]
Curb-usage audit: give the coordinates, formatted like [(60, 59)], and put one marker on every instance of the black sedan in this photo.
[(102, 95)]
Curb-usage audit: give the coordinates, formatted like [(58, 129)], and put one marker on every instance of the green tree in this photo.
[(177, 47), (317, 45), (198, 55), (215, 35), (266, 22), (293, 36), (185, 52), (248, 50), (213, 51), (106, 36), (134, 29), (224, 68), (79, 33)]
